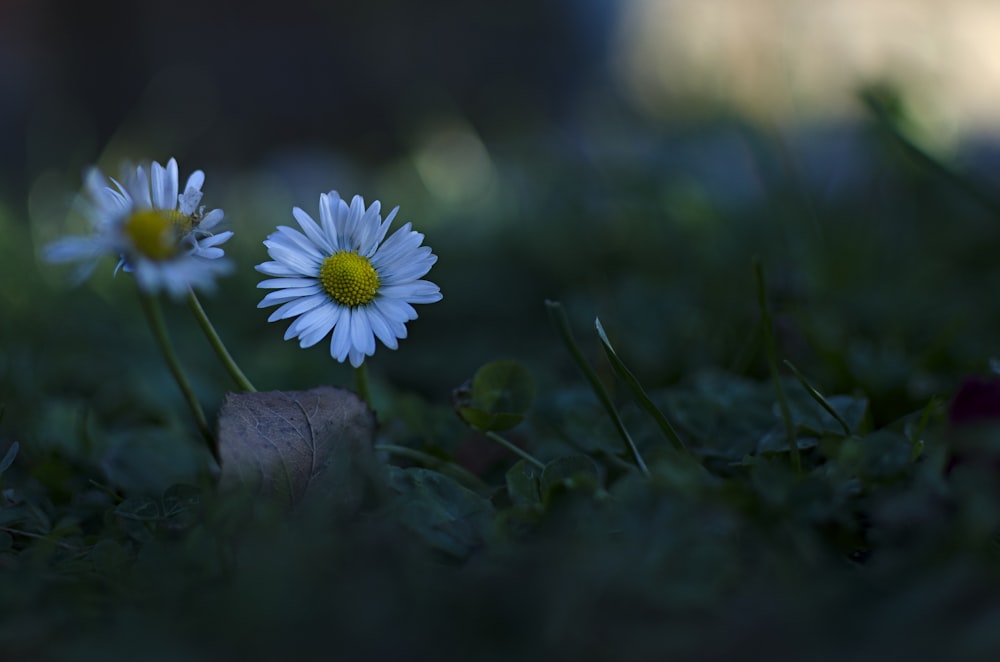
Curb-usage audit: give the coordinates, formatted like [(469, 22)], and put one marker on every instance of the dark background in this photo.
[(216, 82)]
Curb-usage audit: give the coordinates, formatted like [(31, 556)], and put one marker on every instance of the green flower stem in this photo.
[(462, 474), (772, 360), (361, 384), (523, 454), (217, 345), (562, 326), (151, 306)]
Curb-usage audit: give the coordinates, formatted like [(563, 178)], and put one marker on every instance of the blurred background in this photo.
[(627, 157)]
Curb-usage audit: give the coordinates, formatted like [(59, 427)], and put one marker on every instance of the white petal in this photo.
[(296, 307), (367, 229), (395, 309), (138, 187), (381, 328), (209, 220), (287, 282), (341, 212), (215, 239), (305, 321), (284, 296), (420, 291), (361, 331), (395, 321), (208, 253), (304, 264), (300, 241), (195, 181), (320, 322), (72, 249), (327, 214), (400, 245), (170, 189), (384, 228), (276, 269), (187, 203), (340, 341), (403, 271), (95, 182), (118, 185), (159, 177), (164, 185), (313, 231), (350, 231)]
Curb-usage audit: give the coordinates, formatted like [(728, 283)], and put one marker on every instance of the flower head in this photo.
[(160, 234), (343, 275)]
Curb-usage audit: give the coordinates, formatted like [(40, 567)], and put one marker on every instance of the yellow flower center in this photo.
[(156, 233), (349, 279)]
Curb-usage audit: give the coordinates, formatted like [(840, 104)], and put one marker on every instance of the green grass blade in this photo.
[(818, 397), (558, 316), (637, 390)]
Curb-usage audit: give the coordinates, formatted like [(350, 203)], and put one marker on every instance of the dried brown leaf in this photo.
[(290, 443)]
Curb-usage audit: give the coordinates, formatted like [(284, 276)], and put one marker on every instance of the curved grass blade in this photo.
[(637, 390), (558, 316), (818, 397)]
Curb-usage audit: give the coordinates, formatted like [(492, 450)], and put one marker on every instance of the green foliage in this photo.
[(445, 515), (120, 539), (499, 396), (8, 458)]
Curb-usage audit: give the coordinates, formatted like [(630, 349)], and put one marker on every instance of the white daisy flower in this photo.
[(160, 234), (341, 276)]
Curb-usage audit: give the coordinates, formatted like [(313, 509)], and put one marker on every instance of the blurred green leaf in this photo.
[(181, 506), (149, 459), (809, 416), (8, 458), (500, 395), (523, 484), (722, 415), (680, 472), (575, 471), (812, 420), (447, 516), (579, 420), (138, 517), (139, 508), (140, 531), (886, 454), (776, 441)]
